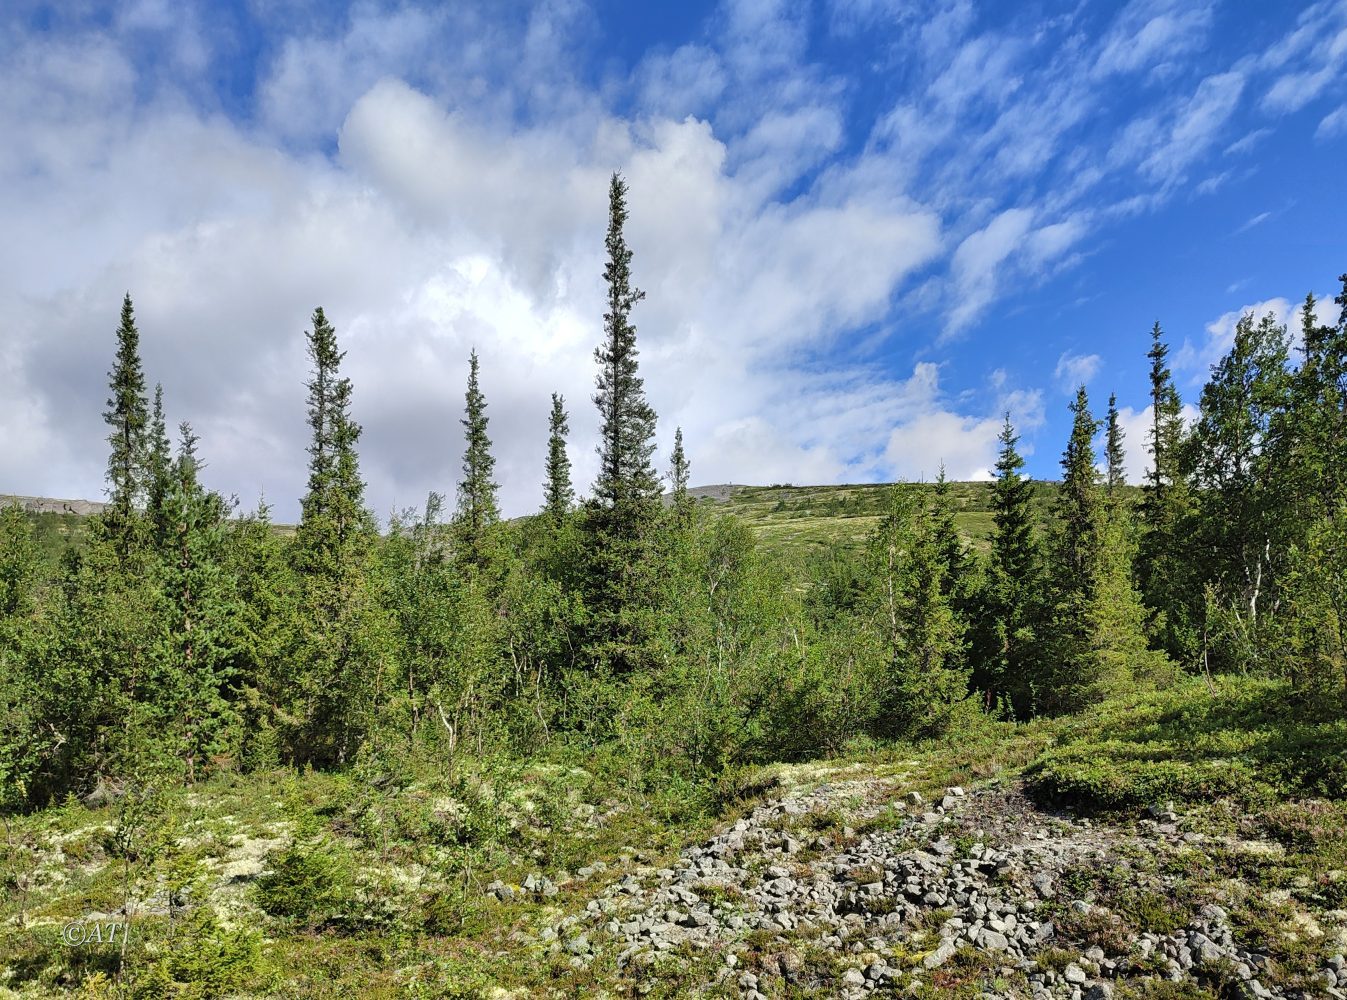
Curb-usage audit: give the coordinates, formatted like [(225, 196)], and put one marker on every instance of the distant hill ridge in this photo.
[(52, 505)]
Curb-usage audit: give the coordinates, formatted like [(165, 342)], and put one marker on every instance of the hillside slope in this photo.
[(1197, 850)]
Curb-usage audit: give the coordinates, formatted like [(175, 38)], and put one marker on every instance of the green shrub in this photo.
[(206, 961), (309, 882), (1114, 775)]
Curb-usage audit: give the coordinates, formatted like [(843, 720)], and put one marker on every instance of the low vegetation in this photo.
[(392, 761)]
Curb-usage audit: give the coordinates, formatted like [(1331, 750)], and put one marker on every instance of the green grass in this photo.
[(797, 521), (380, 888)]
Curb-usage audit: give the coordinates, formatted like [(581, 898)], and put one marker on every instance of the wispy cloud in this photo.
[(1075, 370)]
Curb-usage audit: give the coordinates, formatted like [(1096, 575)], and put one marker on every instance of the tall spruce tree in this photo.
[(627, 482), (477, 507), (1066, 676), (335, 669), (128, 416), (1095, 638), (679, 470), (624, 511), (1115, 458), (558, 493), (1008, 605), (198, 644), (1078, 508), (160, 471), (1167, 584), (333, 517)]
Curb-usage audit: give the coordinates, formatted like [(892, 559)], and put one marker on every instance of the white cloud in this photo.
[(433, 231), (1150, 28), (1333, 125), (965, 443), (435, 176), (1075, 370), (1254, 220), (977, 259), (1196, 127)]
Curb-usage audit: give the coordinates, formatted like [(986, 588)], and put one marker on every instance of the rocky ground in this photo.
[(854, 886)]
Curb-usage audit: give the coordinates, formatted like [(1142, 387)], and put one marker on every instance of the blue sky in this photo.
[(865, 228)]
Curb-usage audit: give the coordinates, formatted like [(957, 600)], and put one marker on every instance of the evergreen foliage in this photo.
[(128, 417), (338, 647), (478, 510), (177, 640), (159, 463), (1008, 604), (624, 512), (679, 470), (1167, 587), (558, 493)]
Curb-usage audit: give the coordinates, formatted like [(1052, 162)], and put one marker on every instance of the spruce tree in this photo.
[(198, 644), (128, 416), (958, 565), (160, 471), (1076, 565), (1005, 630), (1078, 508), (333, 517), (624, 511), (1115, 457), (1164, 574), (1096, 642), (477, 507), (678, 479), (335, 667), (627, 482), (558, 494), (921, 638)]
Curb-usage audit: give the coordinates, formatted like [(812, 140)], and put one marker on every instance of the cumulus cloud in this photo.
[(965, 443), (1074, 370), (428, 232), (435, 176)]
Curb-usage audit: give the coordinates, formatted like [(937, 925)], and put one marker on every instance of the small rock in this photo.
[(940, 956)]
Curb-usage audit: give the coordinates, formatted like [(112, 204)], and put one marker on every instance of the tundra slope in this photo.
[(918, 899)]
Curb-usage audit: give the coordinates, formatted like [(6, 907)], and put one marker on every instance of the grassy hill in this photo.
[(794, 521), (800, 520)]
